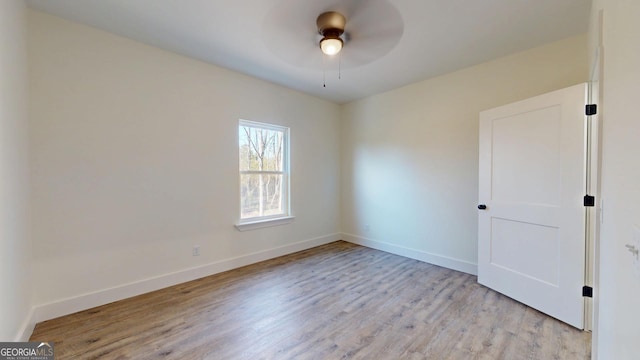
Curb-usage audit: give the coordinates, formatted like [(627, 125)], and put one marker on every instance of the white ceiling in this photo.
[(276, 40)]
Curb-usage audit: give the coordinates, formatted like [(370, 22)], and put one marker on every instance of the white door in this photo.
[(531, 240)]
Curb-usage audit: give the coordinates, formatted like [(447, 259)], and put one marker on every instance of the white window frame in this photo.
[(270, 220)]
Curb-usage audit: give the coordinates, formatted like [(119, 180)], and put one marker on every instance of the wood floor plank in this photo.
[(337, 301)]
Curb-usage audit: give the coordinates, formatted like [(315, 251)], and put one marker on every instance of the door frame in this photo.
[(592, 214), (592, 272)]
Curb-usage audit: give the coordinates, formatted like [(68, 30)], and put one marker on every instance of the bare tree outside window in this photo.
[(263, 170)]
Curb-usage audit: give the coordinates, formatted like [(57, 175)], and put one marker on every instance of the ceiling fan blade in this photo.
[(293, 39)]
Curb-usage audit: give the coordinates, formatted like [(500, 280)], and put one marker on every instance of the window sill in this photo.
[(253, 225)]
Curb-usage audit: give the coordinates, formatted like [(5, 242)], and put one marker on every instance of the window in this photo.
[(264, 172)]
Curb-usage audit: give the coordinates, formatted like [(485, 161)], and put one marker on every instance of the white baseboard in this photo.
[(27, 327), (89, 300), (440, 260)]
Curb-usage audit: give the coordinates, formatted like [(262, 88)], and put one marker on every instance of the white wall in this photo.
[(134, 161), (618, 328), (15, 249), (410, 156)]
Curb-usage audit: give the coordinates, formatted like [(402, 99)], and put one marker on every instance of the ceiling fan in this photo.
[(360, 31)]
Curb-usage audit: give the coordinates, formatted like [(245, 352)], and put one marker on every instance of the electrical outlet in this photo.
[(367, 228), (196, 250)]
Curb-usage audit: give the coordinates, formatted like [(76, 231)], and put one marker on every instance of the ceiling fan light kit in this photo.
[(331, 27), (331, 46)]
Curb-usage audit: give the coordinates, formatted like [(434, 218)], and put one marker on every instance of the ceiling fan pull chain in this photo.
[(340, 65), (324, 73)]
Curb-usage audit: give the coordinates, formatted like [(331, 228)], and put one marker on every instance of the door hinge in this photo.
[(591, 109), (589, 201), (587, 291)]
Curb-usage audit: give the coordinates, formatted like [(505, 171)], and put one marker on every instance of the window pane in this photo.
[(261, 195), (260, 149)]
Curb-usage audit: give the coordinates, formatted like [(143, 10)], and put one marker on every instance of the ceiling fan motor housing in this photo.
[(331, 24)]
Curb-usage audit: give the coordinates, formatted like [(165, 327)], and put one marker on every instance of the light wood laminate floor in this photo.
[(337, 301)]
